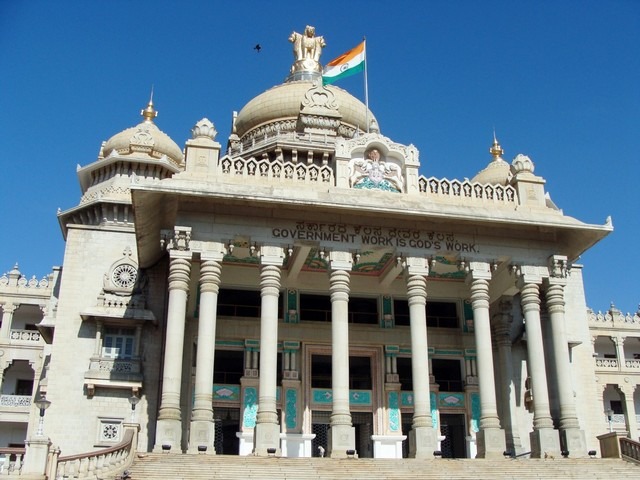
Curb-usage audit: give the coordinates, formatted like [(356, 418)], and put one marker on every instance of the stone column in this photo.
[(202, 431), (502, 329), (490, 438), (342, 435), (422, 437), (543, 438), (267, 431), (7, 317), (629, 409), (169, 425), (572, 438), (618, 341)]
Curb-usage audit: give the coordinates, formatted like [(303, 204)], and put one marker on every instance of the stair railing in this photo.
[(103, 463), (630, 450)]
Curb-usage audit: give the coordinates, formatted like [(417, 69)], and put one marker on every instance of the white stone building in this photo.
[(306, 289)]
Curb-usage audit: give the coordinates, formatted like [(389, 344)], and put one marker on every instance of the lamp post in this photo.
[(133, 400), (609, 413), (42, 403)]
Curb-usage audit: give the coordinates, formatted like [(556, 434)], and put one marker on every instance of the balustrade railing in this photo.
[(283, 171), (606, 363), (15, 401), (11, 460), (613, 318), (25, 335), (467, 190), (630, 449), (104, 463)]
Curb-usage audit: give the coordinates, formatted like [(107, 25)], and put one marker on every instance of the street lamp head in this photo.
[(42, 403), (133, 400), (609, 413)]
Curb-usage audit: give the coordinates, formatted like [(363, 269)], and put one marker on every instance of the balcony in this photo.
[(25, 337), (15, 408), (107, 372)]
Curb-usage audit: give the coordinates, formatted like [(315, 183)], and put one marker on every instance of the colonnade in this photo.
[(422, 438)]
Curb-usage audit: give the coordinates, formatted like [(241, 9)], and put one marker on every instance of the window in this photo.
[(363, 310), (228, 366), (118, 343), (315, 308), (439, 314), (405, 373), (442, 314), (448, 374), (321, 371), (240, 303), (24, 387)]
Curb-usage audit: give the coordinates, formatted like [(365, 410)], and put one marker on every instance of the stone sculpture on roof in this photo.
[(307, 49)]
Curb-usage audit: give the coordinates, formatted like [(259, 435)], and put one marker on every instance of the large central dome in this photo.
[(283, 103), (302, 103)]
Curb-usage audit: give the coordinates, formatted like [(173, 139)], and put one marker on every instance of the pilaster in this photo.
[(629, 409)]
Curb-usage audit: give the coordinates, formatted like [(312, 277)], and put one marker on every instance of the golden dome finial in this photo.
[(149, 113), (496, 150)]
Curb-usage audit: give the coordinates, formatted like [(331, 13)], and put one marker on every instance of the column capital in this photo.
[(416, 266), (340, 260), (529, 274), (476, 270), (619, 340), (271, 255), (212, 250), (9, 307)]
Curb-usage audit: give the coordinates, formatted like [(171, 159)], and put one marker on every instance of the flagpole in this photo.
[(366, 83)]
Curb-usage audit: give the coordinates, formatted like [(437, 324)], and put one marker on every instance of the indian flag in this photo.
[(347, 64)]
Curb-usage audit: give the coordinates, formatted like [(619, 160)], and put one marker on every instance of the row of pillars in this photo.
[(422, 437)]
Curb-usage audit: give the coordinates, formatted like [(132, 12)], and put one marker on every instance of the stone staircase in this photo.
[(158, 466)]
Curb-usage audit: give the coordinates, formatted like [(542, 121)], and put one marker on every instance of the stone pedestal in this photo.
[(341, 439), (296, 445), (168, 432), (545, 442), (387, 446), (35, 459), (422, 442), (202, 434), (267, 435), (574, 442), (491, 443)]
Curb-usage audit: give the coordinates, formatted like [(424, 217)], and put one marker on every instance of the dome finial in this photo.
[(149, 113), (496, 150)]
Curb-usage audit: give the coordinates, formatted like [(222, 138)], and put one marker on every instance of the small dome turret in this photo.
[(498, 172), (144, 139)]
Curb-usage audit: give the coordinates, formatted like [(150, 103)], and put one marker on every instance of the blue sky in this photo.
[(558, 80)]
